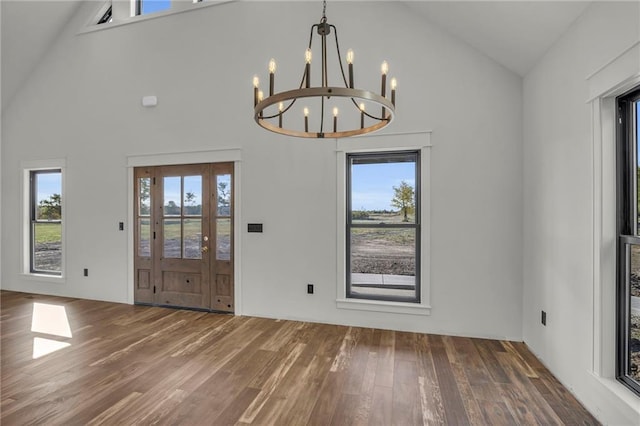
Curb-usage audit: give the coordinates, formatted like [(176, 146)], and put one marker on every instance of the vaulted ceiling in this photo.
[(516, 34)]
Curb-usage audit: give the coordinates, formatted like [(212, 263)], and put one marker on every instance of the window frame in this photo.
[(28, 167), (413, 141), (415, 225), (628, 231)]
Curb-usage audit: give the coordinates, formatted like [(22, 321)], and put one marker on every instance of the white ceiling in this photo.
[(516, 34)]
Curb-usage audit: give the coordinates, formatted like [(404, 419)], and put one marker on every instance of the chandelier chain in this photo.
[(324, 11)]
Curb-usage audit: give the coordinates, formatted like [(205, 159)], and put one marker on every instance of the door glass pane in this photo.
[(633, 360), (172, 233), (223, 239), (192, 196), (223, 186), (144, 195), (383, 189), (47, 248), (192, 238), (383, 262), (172, 196), (144, 237)]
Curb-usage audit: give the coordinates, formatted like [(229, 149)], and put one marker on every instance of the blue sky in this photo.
[(372, 184), (150, 6), (48, 184)]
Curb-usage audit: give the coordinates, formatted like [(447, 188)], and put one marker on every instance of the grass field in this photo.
[(48, 233)]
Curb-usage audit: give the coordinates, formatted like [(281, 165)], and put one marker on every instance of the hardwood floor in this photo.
[(141, 365)]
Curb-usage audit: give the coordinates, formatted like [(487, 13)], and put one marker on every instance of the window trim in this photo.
[(27, 168), (416, 141)]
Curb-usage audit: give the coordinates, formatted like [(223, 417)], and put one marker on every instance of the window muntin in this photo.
[(383, 226), (628, 286), (46, 222)]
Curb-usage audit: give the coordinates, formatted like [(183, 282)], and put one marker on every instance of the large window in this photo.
[(46, 221), (628, 206), (383, 226)]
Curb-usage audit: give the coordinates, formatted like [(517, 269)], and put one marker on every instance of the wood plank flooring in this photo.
[(144, 365)]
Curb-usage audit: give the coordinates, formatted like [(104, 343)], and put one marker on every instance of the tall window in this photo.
[(628, 207), (383, 226), (46, 221)]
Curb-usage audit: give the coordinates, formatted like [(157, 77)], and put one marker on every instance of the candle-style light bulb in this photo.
[(335, 111), (384, 68), (394, 84), (335, 119), (305, 111), (281, 106), (272, 70), (256, 82), (260, 97), (307, 68), (350, 63), (280, 109)]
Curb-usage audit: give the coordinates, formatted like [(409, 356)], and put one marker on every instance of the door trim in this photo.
[(194, 157)]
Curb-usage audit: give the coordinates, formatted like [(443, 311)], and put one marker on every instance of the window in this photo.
[(107, 17), (628, 207), (383, 226), (46, 221), (144, 7)]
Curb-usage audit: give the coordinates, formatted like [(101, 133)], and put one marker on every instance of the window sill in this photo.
[(384, 306), (44, 278)]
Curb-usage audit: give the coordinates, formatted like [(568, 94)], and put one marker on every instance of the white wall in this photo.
[(559, 207), (83, 103)]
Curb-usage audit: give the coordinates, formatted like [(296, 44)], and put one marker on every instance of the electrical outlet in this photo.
[(543, 318), (310, 288), (120, 226), (86, 272)]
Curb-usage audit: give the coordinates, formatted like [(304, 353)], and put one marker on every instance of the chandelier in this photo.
[(334, 105)]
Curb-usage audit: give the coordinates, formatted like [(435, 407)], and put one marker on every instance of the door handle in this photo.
[(205, 249)]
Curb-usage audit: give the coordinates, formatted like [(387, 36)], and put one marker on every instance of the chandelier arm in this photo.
[(367, 114), (335, 33), (283, 111)]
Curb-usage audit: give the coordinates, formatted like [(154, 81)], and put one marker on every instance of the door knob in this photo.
[(205, 238), (205, 249)]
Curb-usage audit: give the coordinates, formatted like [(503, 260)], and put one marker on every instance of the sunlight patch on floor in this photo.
[(42, 346), (52, 320)]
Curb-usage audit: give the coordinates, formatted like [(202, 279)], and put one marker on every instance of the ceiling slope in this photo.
[(515, 34), (28, 29)]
